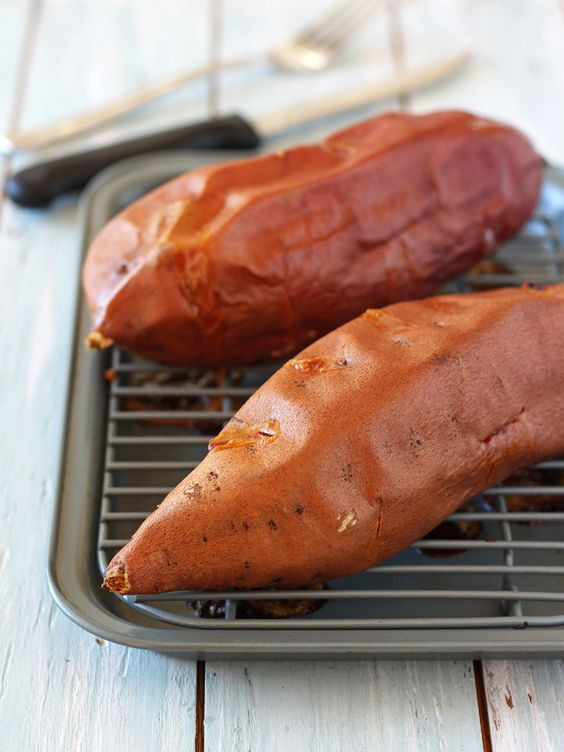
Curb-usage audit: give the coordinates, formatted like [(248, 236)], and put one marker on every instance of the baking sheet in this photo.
[(73, 572)]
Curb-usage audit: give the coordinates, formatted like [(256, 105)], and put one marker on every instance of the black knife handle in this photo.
[(38, 185)]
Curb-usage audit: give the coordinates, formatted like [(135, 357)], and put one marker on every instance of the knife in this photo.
[(38, 185)]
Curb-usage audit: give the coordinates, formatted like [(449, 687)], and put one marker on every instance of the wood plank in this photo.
[(526, 705), (13, 18), (16, 36), (516, 74), (256, 26), (114, 50), (336, 706), (60, 688)]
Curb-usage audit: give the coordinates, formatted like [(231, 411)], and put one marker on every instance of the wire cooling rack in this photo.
[(498, 562)]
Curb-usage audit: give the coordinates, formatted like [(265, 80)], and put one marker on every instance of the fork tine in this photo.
[(325, 27), (334, 38)]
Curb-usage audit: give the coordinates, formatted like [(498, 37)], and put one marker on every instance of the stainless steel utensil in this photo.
[(312, 49), (38, 185)]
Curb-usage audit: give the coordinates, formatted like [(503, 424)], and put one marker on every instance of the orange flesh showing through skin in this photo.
[(241, 435)]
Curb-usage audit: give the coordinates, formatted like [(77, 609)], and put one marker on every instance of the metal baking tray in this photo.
[(489, 582)]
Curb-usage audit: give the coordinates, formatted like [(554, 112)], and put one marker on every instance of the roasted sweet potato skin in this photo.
[(254, 259), (362, 444)]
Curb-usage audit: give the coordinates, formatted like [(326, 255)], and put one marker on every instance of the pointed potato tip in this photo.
[(96, 341), (116, 580)]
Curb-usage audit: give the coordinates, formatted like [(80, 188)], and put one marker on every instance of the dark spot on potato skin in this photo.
[(441, 360), (401, 341), (246, 526), (278, 579), (272, 524), (415, 441), (299, 509), (346, 473), (247, 564), (212, 475), (233, 526), (205, 538), (449, 358)]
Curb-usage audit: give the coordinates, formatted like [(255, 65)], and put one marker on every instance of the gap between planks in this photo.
[(199, 743), (397, 41), (482, 700)]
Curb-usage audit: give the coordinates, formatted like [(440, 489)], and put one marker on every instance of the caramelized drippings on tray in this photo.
[(240, 435), (540, 289), (318, 364), (255, 609)]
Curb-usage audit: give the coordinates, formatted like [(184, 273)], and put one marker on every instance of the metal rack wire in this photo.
[(503, 562)]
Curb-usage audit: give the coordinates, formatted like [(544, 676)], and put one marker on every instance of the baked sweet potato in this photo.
[(361, 445), (254, 259)]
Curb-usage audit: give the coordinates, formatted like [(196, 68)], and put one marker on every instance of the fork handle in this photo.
[(38, 185)]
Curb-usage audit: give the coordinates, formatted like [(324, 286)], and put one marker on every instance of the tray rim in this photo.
[(69, 586)]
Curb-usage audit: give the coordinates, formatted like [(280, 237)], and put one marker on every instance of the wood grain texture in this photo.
[(14, 17), (87, 53), (329, 707), (19, 19), (60, 688), (514, 74), (526, 705)]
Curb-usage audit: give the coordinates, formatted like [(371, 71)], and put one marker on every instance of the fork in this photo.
[(315, 47), (312, 49)]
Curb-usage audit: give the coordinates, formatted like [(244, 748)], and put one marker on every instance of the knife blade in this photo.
[(38, 185)]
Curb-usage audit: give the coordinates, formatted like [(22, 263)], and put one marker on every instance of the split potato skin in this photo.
[(254, 259)]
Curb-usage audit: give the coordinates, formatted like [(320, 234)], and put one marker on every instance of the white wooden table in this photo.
[(63, 689)]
